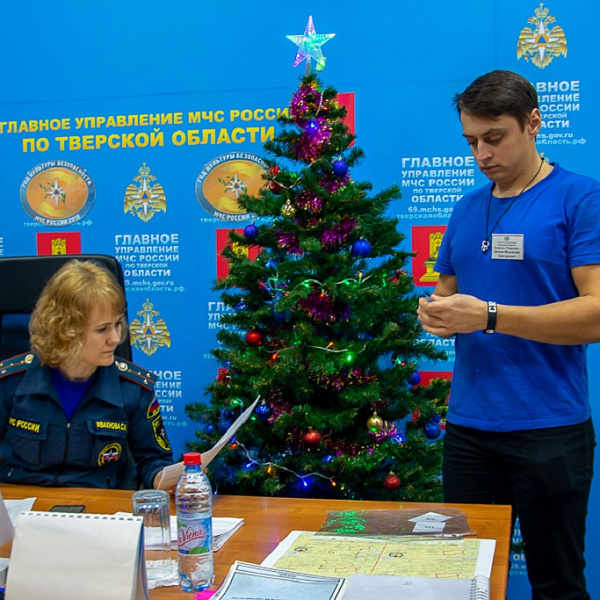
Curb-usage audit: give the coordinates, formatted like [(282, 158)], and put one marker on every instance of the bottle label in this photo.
[(194, 534)]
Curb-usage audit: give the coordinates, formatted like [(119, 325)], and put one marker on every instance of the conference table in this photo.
[(267, 521)]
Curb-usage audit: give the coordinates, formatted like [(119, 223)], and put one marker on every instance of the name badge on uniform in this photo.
[(508, 246)]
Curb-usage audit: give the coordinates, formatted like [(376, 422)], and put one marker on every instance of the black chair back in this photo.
[(22, 279)]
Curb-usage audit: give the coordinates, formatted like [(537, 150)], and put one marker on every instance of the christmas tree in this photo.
[(322, 325)]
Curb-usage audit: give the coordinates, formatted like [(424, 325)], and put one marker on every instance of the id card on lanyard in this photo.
[(508, 246)]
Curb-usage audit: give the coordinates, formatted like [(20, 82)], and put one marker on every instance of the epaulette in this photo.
[(135, 373), (16, 364)]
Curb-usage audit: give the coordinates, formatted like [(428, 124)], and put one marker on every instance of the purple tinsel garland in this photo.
[(309, 201), (338, 234), (306, 100), (346, 379), (279, 407), (334, 185), (322, 308), (388, 430), (289, 242), (310, 143)]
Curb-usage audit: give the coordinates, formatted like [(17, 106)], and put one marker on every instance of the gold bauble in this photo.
[(374, 422), (287, 210)]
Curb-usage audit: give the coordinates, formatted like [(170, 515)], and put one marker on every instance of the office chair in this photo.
[(22, 279)]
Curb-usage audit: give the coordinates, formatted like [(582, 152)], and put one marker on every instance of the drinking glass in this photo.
[(153, 506)]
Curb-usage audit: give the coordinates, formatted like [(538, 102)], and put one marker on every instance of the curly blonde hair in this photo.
[(64, 306)]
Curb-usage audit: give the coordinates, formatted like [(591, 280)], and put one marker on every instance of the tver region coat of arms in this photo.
[(543, 41), (146, 197)]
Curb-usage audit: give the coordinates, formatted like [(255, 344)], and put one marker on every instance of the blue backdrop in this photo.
[(129, 127)]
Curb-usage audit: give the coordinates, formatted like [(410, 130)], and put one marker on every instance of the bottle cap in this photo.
[(192, 458)]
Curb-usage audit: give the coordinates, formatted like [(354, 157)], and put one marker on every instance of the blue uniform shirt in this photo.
[(119, 411)]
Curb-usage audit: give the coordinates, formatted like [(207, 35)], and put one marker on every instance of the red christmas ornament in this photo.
[(398, 273), (273, 185), (223, 375), (312, 438), (253, 338), (391, 482)]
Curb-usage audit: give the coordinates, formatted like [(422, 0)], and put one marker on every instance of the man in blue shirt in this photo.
[(519, 287)]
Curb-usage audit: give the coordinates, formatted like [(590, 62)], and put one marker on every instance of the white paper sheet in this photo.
[(7, 530), (222, 528), (170, 475)]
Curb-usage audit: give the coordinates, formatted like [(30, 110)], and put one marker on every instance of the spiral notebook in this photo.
[(62, 556), (417, 588), (480, 588)]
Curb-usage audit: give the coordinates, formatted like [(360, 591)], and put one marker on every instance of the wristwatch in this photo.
[(492, 314)]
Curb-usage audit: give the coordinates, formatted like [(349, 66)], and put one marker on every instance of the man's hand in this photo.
[(445, 316)]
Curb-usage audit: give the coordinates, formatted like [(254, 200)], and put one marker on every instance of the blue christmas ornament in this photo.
[(414, 378), (399, 438), (223, 425), (271, 264), (312, 128), (242, 306), (250, 231), (263, 411), (281, 317), (361, 248), (432, 430), (340, 168), (328, 458), (436, 418)]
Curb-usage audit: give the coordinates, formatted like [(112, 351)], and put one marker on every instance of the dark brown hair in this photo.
[(498, 93)]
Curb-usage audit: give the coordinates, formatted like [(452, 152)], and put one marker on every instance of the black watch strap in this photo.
[(492, 314)]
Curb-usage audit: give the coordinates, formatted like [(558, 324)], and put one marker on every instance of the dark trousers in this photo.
[(545, 474)]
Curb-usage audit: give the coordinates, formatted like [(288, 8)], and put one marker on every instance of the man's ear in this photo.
[(534, 123)]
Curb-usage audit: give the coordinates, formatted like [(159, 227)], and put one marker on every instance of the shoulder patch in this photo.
[(16, 364), (132, 372)]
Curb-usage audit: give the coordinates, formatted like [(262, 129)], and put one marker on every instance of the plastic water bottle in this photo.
[(193, 501)]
